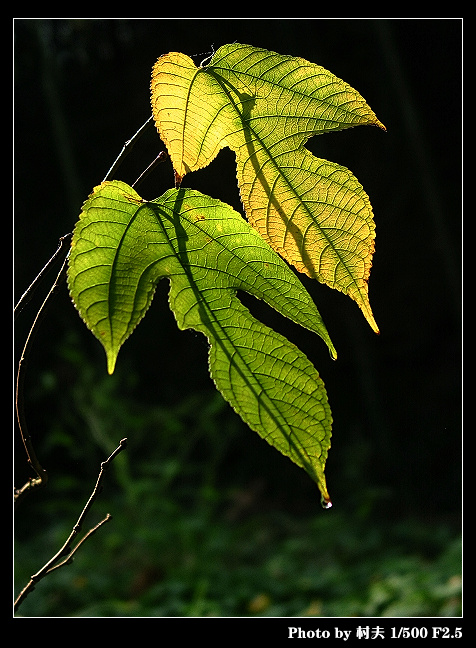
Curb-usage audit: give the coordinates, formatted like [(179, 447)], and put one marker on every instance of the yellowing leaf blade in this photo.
[(188, 111), (265, 106), (324, 227)]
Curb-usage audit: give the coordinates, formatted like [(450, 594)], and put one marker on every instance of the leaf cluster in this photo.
[(301, 210)]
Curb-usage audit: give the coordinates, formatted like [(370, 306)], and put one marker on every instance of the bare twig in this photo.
[(67, 551)]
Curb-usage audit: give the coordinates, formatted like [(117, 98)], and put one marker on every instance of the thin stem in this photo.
[(160, 158), (126, 149), (67, 551), (28, 294)]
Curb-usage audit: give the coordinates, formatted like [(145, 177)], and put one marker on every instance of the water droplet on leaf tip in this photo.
[(326, 503)]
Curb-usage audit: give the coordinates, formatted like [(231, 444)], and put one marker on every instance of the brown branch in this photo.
[(67, 551)]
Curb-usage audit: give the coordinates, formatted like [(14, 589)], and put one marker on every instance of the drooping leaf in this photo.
[(265, 106), (122, 246)]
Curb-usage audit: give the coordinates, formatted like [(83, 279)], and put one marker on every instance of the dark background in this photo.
[(81, 89)]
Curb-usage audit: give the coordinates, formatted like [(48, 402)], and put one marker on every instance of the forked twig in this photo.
[(67, 551)]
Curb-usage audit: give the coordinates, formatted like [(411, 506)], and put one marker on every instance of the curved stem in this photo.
[(41, 474)]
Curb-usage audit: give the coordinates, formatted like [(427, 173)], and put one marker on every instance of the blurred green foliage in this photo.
[(195, 535), (192, 563)]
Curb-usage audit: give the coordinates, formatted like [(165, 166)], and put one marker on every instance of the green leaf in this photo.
[(122, 246), (265, 106)]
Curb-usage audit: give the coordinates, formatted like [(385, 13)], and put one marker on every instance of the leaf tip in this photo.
[(111, 362), (320, 480), (326, 502), (373, 324), (368, 314)]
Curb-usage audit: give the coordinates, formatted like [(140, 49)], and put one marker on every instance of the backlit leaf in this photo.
[(122, 246), (265, 106)]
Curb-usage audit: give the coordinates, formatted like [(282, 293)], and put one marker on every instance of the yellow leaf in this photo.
[(265, 106), (184, 106)]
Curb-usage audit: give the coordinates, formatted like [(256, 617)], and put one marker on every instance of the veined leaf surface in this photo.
[(122, 246), (265, 106)]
